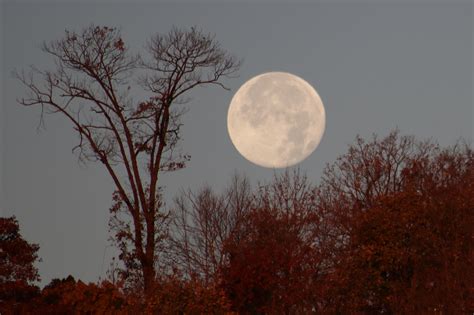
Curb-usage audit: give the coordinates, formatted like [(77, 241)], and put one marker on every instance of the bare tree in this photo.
[(91, 86), (201, 224)]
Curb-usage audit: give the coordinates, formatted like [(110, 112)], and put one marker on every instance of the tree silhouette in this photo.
[(400, 216), (18, 273), (135, 141)]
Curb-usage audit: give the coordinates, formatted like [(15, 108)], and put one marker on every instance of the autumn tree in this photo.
[(135, 140), (175, 294), (400, 212), (271, 256), (411, 253), (18, 272), (368, 170), (269, 265), (387, 230), (66, 296)]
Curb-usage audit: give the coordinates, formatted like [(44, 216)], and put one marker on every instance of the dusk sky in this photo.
[(377, 65)]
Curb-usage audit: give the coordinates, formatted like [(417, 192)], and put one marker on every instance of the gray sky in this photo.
[(375, 66)]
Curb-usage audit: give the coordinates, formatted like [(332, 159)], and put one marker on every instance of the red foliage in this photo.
[(270, 264), (409, 250), (388, 231), (17, 256), (17, 270), (175, 295), (172, 295), (69, 296)]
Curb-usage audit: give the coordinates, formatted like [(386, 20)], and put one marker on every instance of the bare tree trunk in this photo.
[(148, 273)]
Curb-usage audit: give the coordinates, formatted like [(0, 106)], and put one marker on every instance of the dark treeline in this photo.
[(386, 230)]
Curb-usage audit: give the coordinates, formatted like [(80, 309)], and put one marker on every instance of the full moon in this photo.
[(276, 119)]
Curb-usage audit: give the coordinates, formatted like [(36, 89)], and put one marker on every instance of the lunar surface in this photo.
[(276, 120)]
